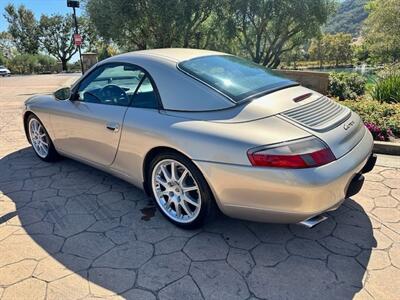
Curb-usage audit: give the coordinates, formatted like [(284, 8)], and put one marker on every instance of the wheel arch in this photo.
[(147, 159), (27, 114), (159, 150)]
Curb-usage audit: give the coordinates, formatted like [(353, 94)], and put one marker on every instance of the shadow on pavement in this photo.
[(93, 225)]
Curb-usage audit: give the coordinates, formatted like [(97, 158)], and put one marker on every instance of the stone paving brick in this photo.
[(217, 280), (138, 294), (130, 255), (184, 288), (28, 289), (206, 246), (295, 278), (162, 270), (241, 261), (269, 254), (73, 286), (170, 245), (106, 281), (16, 272), (87, 244), (387, 201)]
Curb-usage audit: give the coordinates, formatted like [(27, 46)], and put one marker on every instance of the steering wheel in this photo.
[(113, 93)]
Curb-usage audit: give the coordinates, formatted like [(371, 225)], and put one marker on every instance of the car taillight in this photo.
[(299, 154)]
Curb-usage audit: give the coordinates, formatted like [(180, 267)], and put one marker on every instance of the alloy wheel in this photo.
[(39, 139), (176, 191)]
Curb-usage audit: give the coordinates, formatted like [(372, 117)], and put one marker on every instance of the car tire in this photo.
[(40, 140), (192, 188)]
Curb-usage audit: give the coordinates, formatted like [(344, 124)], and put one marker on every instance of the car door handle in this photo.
[(112, 126)]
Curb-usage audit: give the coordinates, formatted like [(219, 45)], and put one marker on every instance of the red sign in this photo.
[(77, 39)]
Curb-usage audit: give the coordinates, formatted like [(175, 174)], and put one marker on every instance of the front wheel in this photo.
[(40, 140), (180, 190)]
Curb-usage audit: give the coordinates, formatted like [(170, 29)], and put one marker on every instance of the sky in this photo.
[(38, 7)]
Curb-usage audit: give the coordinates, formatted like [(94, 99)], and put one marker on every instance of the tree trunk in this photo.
[(64, 64)]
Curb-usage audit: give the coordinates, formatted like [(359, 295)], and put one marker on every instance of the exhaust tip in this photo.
[(314, 221)]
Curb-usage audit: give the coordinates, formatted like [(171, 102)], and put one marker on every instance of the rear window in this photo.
[(235, 77)]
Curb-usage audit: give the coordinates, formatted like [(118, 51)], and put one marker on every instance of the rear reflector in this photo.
[(298, 154)]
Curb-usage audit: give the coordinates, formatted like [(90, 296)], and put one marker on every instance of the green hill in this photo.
[(348, 18)]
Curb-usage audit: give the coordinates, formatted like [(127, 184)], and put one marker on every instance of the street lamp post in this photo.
[(74, 4)]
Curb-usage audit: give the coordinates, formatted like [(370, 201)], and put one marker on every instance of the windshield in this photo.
[(235, 77)]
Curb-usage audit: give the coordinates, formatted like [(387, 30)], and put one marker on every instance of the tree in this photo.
[(7, 46), (382, 29), (260, 29), (23, 28), (268, 28), (152, 23), (90, 36), (332, 47), (338, 48), (317, 50), (56, 37)]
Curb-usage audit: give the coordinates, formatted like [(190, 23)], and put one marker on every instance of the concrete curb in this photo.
[(387, 148)]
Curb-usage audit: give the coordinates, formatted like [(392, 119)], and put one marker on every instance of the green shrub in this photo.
[(3, 60), (383, 119), (32, 63), (346, 85), (388, 70), (387, 89)]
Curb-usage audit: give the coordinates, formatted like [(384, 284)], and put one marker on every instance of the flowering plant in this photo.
[(379, 134)]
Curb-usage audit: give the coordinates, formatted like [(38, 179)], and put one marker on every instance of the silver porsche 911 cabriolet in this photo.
[(202, 130)]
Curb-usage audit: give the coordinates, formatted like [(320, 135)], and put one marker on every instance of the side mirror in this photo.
[(63, 93)]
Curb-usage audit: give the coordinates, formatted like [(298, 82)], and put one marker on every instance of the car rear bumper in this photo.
[(288, 195)]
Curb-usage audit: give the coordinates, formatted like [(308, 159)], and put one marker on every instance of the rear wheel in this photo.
[(180, 190), (40, 140)]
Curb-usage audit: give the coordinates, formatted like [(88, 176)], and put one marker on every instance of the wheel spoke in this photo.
[(162, 182), (190, 200), (189, 188), (168, 203), (185, 208), (183, 176), (165, 173), (173, 171), (41, 148), (165, 193), (178, 210)]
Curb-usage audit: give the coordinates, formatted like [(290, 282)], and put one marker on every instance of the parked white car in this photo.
[(4, 71)]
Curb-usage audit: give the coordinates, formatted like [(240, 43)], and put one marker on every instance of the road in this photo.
[(68, 231)]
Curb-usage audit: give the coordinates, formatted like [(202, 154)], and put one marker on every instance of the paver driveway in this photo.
[(68, 231)]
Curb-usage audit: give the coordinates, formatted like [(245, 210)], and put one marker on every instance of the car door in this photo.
[(89, 125)]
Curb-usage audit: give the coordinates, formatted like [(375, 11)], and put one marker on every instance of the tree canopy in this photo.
[(53, 34), (267, 29), (56, 37), (150, 23), (382, 29), (332, 47), (23, 28), (260, 29)]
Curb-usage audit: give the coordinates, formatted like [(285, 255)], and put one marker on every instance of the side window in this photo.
[(145, 96), (111, 84)]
